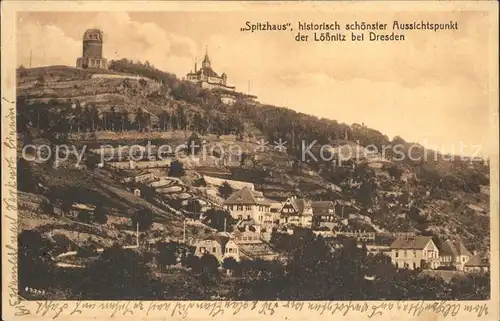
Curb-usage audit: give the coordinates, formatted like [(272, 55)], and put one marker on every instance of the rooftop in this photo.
[(411, 243), (454, 249), (476, 261), (246, 196)]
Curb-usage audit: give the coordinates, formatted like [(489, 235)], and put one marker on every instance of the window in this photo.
[(230, 250), (405, 253), (414, 253), (414, 265), (240, 217), (202, 249), (249, 207), (239, 208), (397, 253), (248, 217)]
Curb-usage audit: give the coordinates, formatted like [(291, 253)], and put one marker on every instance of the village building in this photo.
[(206, 77), (298, 212), (414, 253), (248, 240), (324, 214), (454, 254), (475, 264), (214, 244), (248, 204), (244, 243)]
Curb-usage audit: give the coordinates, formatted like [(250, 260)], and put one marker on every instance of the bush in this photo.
[(100, 215), (84, 217), (86, 251), (144, 218)]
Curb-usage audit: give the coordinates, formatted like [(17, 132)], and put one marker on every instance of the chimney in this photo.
[(195, 65)]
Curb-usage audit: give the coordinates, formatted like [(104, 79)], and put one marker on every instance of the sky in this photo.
[(432, 88)]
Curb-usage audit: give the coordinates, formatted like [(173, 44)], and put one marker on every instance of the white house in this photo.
[(415, 252), (454, 254), (248, 204)]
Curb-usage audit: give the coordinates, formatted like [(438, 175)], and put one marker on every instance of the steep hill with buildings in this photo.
[(439, 197)]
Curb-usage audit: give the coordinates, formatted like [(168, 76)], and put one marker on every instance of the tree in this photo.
[(34, 261), (225, 190), (229, 263), (164, 119), (84, 217), (91, 160), (193, 144), (94, 117), (117, 274), (219, 219), (194, 207), (25, 178), (192, 262), (139, 119), (62, 244), (209, 264), (100, 215), (168, 254), (47, 207), (176, 169), (66, 203), (394, 171), (144, 218), (86, 251)]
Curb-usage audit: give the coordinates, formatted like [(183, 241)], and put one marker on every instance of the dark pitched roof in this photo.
[(205, 71), (454, 249), (299, 204), (322, 207), (246, 196), (208, 72), (221, 239), (476, 261), (413, 243)]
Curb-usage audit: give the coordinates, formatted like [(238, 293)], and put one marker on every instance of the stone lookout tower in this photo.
[(92, 50)]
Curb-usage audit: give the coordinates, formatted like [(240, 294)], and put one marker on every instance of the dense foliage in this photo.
[(312, 272)]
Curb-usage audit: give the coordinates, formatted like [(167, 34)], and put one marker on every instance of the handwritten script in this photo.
[(9, 203), (213, 309)]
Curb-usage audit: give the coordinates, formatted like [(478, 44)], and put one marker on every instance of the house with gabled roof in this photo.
[(324, 213), (248, 204), (454, 253), (476, 264), (297, 211), (214, 244), (414, 253)]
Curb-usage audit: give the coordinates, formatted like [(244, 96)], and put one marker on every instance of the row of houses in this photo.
[(250, 204), (246, 242), (421, 252)]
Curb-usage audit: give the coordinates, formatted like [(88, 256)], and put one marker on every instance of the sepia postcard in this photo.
[(250, 160)]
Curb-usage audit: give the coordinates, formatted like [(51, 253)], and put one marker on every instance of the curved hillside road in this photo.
[(73, 253)]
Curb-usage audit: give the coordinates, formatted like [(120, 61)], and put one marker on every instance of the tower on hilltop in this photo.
[(92, 50), (206, 60)]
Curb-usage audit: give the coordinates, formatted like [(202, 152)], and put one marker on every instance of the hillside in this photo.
[(438, 197)]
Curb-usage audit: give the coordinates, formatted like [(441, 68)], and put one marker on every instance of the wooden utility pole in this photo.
[(184, 232), (137, 234), (31, 55)]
